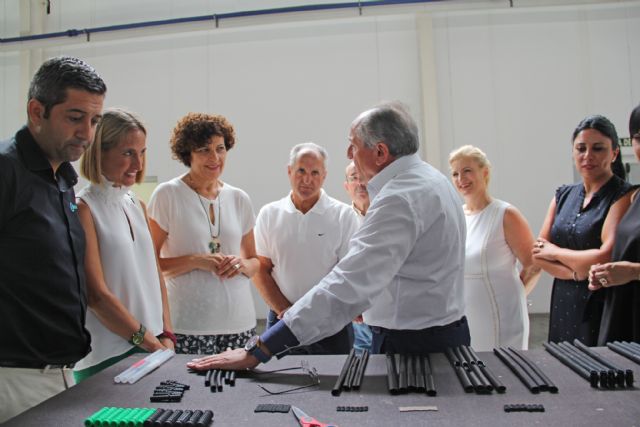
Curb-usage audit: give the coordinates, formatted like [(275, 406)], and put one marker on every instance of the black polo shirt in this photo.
[(43, 298)]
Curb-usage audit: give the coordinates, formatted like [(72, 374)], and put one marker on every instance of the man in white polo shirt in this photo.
[(299, 239)]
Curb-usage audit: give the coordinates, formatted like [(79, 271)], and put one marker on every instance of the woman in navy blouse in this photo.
[(621, 278), (579, 230)]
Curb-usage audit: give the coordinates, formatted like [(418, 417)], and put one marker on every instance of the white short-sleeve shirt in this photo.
[(303, 247), (201, 303)]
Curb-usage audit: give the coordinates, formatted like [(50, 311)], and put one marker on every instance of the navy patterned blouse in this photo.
[(575, 311)]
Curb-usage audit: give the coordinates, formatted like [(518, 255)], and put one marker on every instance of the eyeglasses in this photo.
[(304, 365)]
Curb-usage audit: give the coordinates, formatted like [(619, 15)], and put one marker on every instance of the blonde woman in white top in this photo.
[(497, 236), (126, 292)]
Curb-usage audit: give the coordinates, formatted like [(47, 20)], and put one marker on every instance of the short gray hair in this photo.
[(305, 147), (391, 124)]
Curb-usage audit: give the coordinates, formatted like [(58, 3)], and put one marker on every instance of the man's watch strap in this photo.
[(257, 349)]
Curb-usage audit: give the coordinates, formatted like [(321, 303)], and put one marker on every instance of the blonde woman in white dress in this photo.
[(498, 268)]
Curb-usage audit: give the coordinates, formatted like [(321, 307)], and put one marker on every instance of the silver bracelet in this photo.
[(575, 276)]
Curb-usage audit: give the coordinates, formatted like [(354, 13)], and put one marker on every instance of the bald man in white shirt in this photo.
[(405, 265), (299, 239)]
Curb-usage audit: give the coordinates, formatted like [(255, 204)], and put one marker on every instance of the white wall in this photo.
[(512, 81), (516, 82)]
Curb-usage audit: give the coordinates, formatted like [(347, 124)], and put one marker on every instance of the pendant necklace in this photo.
[(214, 245)]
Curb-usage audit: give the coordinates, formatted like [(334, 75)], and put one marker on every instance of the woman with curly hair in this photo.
[(202, 230)]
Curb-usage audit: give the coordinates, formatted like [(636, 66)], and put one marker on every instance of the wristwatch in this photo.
[(255, 348), (138, 337)]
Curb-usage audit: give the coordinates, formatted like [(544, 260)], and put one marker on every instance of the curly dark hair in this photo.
[(194, 130)]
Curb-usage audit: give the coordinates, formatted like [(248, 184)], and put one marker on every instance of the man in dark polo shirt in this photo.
[(42, 282)]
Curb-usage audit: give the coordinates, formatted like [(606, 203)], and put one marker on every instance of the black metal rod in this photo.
[(630, 347), (337, 388), (207, 378), (577, 361), (351, 373), (550, 385), (615, 346), (473, 366), (232, 379), (517, 370), (411, 372), (392, 375), (364, 359), (430, 383), (149, 421), (555, 351), (401, 363), (495, 382), (421, 379), (589, 364), (542, 385), (460, 373), (621, 374)]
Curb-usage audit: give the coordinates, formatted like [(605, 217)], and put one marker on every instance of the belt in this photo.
[(454, 324), (34, 365)]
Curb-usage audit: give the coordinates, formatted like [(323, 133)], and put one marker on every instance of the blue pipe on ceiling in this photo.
[(215, 17)]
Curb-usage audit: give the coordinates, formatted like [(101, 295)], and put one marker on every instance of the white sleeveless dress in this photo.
[(128, 265), (494, 295)]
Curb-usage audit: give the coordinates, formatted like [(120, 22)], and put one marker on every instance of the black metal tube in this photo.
[(162, 418), (207, 378), (186, 415), (149, 421), (589, 364), (351, 373), (473, 366), (364, 359), (205, 419), (420, 374), (401, 363), (214, 381), (232, 379), (411, 372), (495, 382), (542, 385), (220, 379), (558, 353), (460, 372), (550, 385), (337, 388), (194, 417), (615, 346), (576, 360), (630, 346), (392, 375), (517, 370), (174, 417), (227, 377), (623, 376), (430, 384)]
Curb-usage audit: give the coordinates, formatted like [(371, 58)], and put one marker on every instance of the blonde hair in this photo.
[(474, 153), (114, 125)]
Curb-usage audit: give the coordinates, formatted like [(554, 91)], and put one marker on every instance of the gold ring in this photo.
[(540, 245), (603, 281)]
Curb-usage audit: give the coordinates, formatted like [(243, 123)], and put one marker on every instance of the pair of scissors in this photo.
[(307, 421)]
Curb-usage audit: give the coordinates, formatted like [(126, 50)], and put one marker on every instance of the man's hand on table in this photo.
[(235, 360)]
